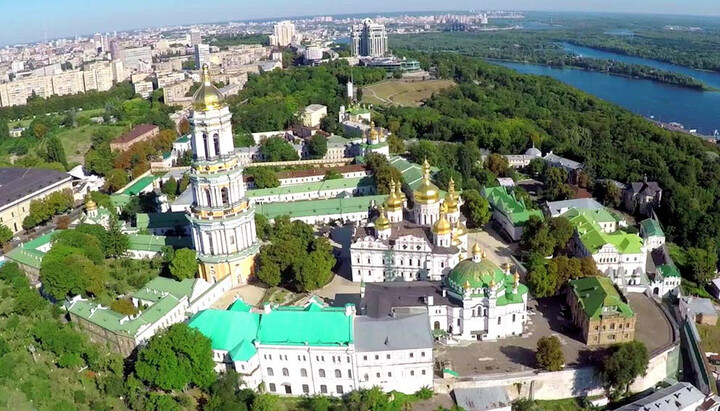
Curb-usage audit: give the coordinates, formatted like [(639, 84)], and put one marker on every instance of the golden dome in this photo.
[(492, 283), (374, 134), (382, 223), (451, 199), (456, 239), (207, 97), (460, 229), (90, 205), (476, 250), (427, 192), (394, 202), (516, 277), (442, 226)]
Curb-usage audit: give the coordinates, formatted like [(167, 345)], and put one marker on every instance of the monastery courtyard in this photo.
[(517, 354)]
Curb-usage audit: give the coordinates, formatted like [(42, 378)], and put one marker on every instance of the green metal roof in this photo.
[(41, 241), (160, 286), (411, 172), (146, 242), (594, 238), (120, 200), (229, 330), (183, 139), (161, 220), (668, 270), (314, 187), (478, 276), (139, 185), (121, 323), (598, 297), (652, 228), (318, 207), (310, 325), (516, 210), (27, 254), (240, 305)]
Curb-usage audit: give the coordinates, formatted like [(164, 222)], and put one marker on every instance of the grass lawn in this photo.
[(76, 141), (407, 94), (568, 404), (710, 335)]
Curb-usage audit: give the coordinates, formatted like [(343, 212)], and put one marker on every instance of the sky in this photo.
[(33, 20)]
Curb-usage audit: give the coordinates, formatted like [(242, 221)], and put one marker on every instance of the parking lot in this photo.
[(516, 354)]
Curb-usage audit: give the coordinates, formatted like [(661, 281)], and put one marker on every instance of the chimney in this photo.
[(430, 300), (349, 309), (444, 292), (267, 308)]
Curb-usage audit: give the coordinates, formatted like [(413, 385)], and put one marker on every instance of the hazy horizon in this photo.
[(35, 20)]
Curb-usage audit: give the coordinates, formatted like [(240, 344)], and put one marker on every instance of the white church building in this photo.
[(421, 243)]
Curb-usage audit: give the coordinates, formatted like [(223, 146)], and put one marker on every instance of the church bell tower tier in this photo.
[(221, 217)]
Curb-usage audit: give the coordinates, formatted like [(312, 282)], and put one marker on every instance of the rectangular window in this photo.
[(412, 355), (288, 389), (323, 389), (339, 389), (423, 372), (306, 389), (272, 387), (364, 357), (412, 373)]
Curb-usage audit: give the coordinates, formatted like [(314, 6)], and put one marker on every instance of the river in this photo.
[(693, 108)]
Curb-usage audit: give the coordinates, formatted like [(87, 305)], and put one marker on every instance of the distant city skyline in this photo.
[(35, 20)]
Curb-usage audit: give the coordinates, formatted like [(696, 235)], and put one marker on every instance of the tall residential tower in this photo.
[(221, 217), (369, 39)]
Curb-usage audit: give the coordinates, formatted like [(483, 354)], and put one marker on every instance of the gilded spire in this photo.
[(476, 253), (394, 202), (382, 223), (207, 97), (442, 225), (426, 192)]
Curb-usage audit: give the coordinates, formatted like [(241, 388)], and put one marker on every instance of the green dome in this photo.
[(475, 275)]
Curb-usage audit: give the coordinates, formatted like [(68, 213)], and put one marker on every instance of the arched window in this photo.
[(285, 372), (321, 373), (205, 145), (216, 142), (225, 196), (436, 326), (338, 374), (208, 198), (270, 372), (303, 372)]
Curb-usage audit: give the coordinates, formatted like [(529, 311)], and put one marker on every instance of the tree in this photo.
[(123, 306), (184, 264), (317, 146), (332, 175), (475, 207), (117, 241), (497, 164), (549, 355), (423, 150), (555, 184), (170, 187), (176, 358), (277, 149), (264, 177), (561, 229), (5, 234), (265, 402), (56, 152), (116, 180), (314, 271), (262, 227), (4, 130), (69, 273), (607, 193), (536, 167), (184, 127), (243, 140), (225, 395), (702, 264), (269, 271), (536, 237), (626, 362), (541, 282)]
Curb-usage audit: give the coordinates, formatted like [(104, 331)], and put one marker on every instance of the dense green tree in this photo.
[(497, 164), (314, 270), (536, 237), (475, 207), (77, 242), (542, 283), (702, 264), (626, 362), (56, 152), (175, 359), (549, 355), (4, 130), (536, 167), (117, 241), (184, 264), (423, 150), (277, 149), (317, 146), (67, 273), (5, 234), (225, 394), (243, 140), (561, 230), (115, 180), (263, 227), (265, 402), (170, 187), (607, 193), (555, 184), (264, 177)]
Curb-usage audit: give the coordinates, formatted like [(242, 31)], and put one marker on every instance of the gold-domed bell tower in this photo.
[(452, 201), (382, 225), (442, 230), (426, 196), (222, 219), (395, 203)]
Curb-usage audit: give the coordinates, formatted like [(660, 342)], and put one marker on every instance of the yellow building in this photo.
[(20, 186)]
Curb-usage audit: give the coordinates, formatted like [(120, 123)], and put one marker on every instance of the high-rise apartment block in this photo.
[(283, 34), (202, 55), (369, 39), (195, 37)]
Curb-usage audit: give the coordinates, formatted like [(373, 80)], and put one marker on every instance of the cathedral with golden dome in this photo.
[(420, 238)]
